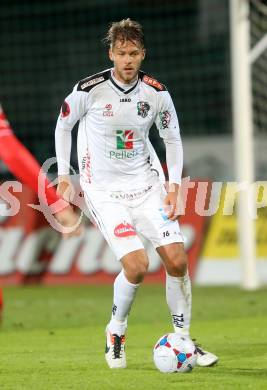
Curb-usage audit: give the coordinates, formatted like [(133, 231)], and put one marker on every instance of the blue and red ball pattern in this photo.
[(181, 356)]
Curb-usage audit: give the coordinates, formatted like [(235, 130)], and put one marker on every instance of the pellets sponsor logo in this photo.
[(92, 82), (122, 154), (65, 109), (124, 139), (165, 118), (142, 109), (124, 145), (124, 229)]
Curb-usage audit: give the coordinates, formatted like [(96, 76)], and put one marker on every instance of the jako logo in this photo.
[(124, 230)]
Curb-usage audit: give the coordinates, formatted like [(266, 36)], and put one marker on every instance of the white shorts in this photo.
[(121, 216)]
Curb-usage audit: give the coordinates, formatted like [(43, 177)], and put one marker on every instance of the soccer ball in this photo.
[(175, 353)]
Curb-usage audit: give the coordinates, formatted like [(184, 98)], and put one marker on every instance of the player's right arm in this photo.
[(72, 110)]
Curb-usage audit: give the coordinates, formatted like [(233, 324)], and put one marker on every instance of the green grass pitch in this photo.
[(53, 338)]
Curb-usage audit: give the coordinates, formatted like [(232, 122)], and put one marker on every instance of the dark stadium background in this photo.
[(47, 46)]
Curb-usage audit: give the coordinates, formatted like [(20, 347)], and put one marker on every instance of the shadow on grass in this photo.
[(217, 370), (139, 367), (222, 371)]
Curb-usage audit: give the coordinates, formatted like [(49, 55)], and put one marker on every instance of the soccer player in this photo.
[(116, 109)]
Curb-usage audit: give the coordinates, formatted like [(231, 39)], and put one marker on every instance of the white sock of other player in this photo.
[(124, 294), (179, 298)]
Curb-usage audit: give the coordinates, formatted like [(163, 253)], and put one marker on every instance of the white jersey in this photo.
[(114, 150)]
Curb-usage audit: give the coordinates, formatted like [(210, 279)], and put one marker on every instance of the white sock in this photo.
[(124, 294), (179, 297)]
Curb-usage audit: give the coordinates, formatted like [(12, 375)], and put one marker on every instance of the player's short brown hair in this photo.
[(125, 30)]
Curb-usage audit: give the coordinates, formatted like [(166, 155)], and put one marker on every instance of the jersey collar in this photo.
[(125, 91)]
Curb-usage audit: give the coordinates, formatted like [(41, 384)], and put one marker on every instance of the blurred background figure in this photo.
[(26, 169)]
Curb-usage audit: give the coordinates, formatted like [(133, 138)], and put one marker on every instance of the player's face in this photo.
[(127, 57)]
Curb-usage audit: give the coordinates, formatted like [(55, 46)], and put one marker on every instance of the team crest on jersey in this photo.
[(142, 109)]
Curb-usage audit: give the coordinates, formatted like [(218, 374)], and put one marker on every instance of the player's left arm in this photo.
[(168, 126)]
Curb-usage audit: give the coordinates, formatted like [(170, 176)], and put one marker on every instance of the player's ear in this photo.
[(144, 54), (110, 53)]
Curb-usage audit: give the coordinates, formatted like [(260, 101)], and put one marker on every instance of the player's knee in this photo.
[(135, 270), (138, 272), (176, 265)]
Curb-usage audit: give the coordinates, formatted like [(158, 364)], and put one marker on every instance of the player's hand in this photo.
[(67, 217), (70, 220), (170, 201), (65, 188)]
